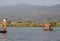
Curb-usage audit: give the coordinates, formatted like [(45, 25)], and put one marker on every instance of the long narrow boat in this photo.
[(3, 31)]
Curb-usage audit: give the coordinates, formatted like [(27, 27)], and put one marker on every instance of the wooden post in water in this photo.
[(4, 23)]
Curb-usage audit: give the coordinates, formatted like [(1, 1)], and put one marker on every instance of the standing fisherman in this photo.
[(48, 24), (4, 23), (48, 27)]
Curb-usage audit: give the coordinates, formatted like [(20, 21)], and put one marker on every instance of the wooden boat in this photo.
[(3, 31), (48, 29)]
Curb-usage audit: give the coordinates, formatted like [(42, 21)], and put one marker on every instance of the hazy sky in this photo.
[(33, 2)]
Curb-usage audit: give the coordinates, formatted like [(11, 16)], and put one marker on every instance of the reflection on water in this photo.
[(4, 37), (30, 34)]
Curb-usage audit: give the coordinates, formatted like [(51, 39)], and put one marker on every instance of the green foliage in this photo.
[(20, 24), (23, 25)]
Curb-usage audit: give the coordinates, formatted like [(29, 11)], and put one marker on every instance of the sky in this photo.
[(31, 2)]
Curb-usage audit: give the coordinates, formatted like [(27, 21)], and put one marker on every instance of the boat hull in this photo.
[(3, 31), (48, 29)]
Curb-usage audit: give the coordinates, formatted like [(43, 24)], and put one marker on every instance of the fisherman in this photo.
[(4, 23), (48, 27)]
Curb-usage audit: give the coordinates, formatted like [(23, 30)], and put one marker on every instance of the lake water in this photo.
[(30, 34)]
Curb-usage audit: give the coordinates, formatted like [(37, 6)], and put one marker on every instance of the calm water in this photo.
[(30, 34)]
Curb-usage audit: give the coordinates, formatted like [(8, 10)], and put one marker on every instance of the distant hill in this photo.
[(30, 12)]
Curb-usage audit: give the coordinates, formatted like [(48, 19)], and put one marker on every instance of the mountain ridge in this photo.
[(31, 12)]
